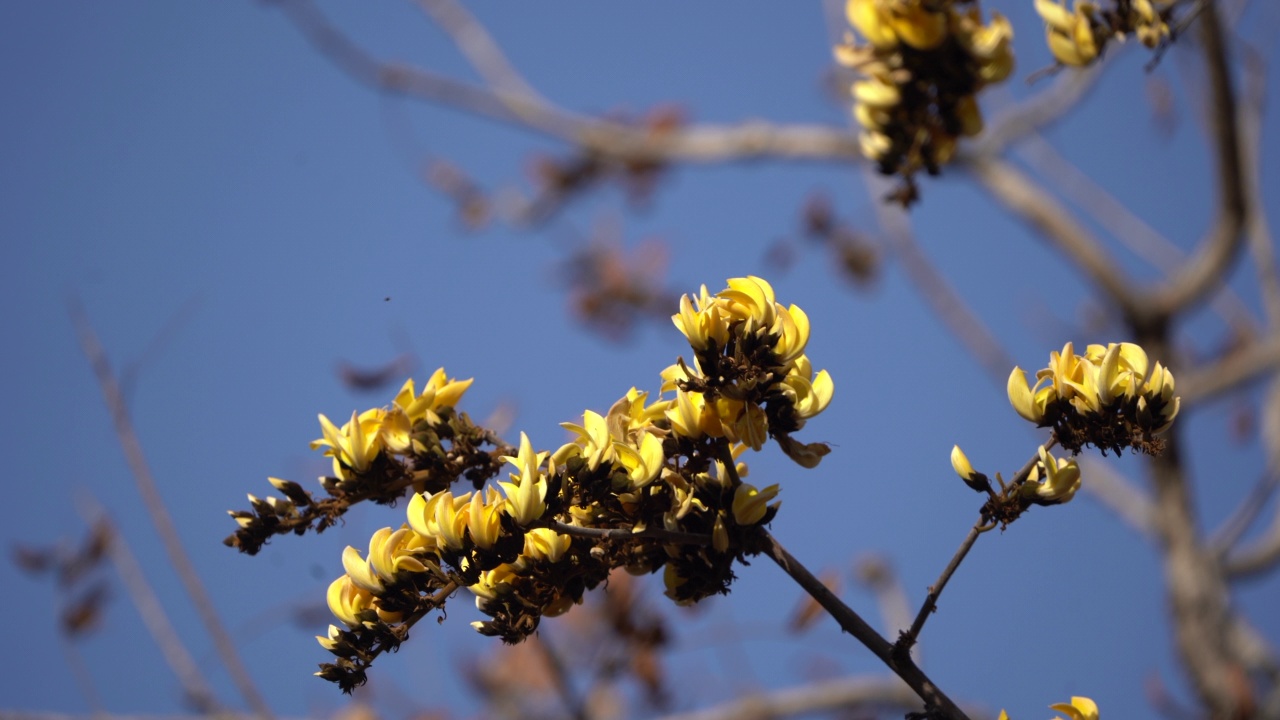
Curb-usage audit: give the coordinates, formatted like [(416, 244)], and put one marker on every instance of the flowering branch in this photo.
[(989, 520)]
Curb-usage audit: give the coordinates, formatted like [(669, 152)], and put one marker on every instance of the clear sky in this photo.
[(198, 166)]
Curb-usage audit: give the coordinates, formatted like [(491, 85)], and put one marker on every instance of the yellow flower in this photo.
[(1159, 390), (750, 504), (593, 442), (1070, 35), (748, 421), (1121, 370), (347, 601), (331, 642), (1061, 480), (545, 544), (870, 22), (362, 576), (1074, 379), (438, 392), (1080, 708), (396, 431), (704, 324), (630, 414), (990, 45), (811, 395), (643, 463), (526, 494), (960, 463), (442, 517), (793, 335), (484, 518), (493, 584), (691, 417), (915, 24), (355, 445), (1029, 402), (751, 299)]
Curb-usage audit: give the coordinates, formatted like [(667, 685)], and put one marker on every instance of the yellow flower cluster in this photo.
[(751, 379), (1052, 481), (418, 442), (666, 471), (1077, 37), (356, 445), (1108, 397), (923, 62)]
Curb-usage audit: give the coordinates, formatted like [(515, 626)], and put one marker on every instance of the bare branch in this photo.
[(622, 142), (480, 49), (160, 518), (1123, 224), (933, 286), (152, 611), (1261, 245), (1229, 372), (1013, 123), (1263, 555), (1024, 197), (843, 694), (1214, 255)]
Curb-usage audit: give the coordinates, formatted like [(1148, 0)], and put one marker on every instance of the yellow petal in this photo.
[(1021, 398)]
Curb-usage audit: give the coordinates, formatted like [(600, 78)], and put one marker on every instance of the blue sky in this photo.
[(201, 161)]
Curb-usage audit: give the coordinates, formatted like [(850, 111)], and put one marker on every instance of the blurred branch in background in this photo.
[(154, 503)]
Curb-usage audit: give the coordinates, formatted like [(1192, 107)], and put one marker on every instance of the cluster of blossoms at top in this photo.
[(923, 62), (1078, 36), (1109, 397), (652, 485)]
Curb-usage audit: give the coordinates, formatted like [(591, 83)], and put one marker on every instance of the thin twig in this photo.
[(847, 694), (82, 676), (965, 325), (909, 638), (1023, 196), (657, 534), (1041, 110), (1123, 224), (480, 49), (1260, 357), (852, 623), (1264, 553), (151, 610), (159, 513), (1207, 268)]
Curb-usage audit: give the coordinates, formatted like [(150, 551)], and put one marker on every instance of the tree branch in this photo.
[(1208, 267), (169, 538), (1025, 198), (852, 623), (616, 140)]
